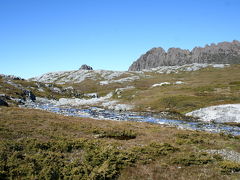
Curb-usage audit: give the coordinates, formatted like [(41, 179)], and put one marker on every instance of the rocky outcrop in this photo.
[(29, 95), (3, 103), (221, 53), (85, 67), (11, 77)]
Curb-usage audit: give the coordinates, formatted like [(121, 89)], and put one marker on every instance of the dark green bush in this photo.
[(229, 167), (193, 159), (80, 158)]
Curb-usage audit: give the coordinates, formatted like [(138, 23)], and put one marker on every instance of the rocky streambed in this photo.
[(158, 118)]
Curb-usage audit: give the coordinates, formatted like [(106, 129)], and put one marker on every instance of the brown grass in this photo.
[(19, 124), (202, 88)]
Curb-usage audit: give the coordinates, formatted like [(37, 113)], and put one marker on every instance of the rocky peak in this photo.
[(223, 52), (85, 67)]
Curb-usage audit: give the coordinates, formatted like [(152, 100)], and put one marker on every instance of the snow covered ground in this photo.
[(161, 84), (167, 83), (78, 76), (122, 80), (120, 90), (185, 67), (82, 102), (108, 77), (219, 114), (97, 101)]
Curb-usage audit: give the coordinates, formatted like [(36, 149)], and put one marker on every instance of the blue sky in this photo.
[(39, 36)]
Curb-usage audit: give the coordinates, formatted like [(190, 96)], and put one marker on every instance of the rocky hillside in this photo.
[(221, 53), (78, 76)]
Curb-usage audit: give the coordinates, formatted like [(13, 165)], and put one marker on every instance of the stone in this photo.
[(4, 97), (3, 103), (85, 67), (221, 53), (91, 95), (29, 95), (11, 77)]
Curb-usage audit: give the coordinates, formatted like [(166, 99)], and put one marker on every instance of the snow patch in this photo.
[(161, 84), (82, 102), (179, 82), (120, 90), (91, 95), (185, 67), (78, 76), (101, 101), (167, 83), (108, 75), (221, 114), (122, 80)]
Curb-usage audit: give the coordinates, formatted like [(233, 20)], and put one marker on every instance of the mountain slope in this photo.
[(167, 88), (78, 76)]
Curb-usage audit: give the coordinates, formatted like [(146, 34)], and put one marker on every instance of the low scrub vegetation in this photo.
[(230, 167), (41, 145), (115, 134)]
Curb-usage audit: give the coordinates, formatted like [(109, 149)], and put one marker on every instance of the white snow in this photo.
[(104, 82), (220, 65), (167, 83), (91, 95), (185, 67), (120, 90), (161, 84), (220, 113), (78, 76), (122, 80), (179, 82), (82, 102), (108, 77), (101, 101)]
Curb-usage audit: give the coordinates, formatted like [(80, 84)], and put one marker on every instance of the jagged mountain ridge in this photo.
[(221, 53)]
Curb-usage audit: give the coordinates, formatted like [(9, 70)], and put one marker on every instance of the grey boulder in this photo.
[(3, 103)]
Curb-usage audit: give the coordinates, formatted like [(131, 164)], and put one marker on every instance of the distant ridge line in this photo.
[(220, 53)]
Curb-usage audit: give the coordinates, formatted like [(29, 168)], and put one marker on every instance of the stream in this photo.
[(102, 114)]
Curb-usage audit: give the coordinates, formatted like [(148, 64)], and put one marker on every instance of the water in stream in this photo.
[(98, 113)]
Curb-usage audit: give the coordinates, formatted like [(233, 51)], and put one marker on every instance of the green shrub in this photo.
[(78, 158), (152, 151), (229, 167), (193, 159), (190, 139), (116, 134)]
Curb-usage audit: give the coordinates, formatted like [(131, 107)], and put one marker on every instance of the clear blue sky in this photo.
[(39, 36)]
